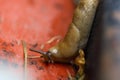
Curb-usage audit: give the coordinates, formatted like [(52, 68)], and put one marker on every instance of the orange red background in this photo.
[(35, 22)]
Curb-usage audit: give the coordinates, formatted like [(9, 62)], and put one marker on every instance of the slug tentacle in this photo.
[(46, 55)]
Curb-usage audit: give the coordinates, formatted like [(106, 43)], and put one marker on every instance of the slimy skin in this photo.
[(77, 35), (78, 32)]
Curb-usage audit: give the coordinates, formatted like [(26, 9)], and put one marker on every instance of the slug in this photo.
[(77, 35)]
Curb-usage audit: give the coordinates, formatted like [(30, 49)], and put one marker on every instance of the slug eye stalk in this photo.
[(45, 55)]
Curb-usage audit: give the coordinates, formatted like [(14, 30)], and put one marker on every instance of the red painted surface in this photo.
[(35, 22)]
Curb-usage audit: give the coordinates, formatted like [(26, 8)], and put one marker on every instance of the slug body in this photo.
[(77, 35), (78, 32)]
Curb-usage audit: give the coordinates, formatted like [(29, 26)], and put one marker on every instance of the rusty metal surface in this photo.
[(35, 22)]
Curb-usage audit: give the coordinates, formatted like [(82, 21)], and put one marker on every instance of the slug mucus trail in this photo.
[(77, 35)]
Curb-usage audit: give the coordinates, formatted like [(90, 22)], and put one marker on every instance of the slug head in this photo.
[(45, 55)]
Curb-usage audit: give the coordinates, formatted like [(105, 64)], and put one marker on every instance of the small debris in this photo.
[(42, 46), (8, 53), (70, 76), (35, 45), (60, 78), (32, 62), (39, 67), (4, 44), (12, 44), (53, 39), (33, 57)]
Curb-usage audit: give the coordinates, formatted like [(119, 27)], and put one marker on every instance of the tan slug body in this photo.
[(77, 35)]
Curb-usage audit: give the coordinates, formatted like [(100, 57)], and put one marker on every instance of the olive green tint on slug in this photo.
[(78, 32)]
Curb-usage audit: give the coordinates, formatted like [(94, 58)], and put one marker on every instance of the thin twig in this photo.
[(42, 46), (54, 38), (33, 57), (70, 76), (25, 59)]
